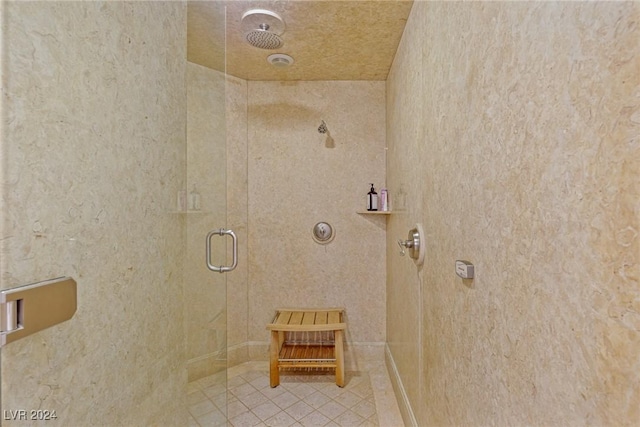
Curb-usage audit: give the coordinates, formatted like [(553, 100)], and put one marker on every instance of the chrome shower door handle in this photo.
[(234, 238)]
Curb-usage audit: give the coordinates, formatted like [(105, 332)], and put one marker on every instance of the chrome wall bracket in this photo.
[(27, 309)]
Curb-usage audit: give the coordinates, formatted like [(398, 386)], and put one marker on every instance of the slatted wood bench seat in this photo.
[(307, 338)]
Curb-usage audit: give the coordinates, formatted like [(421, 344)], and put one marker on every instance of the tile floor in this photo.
[(302, 399)]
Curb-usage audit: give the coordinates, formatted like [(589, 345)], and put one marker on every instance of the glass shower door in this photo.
[(100, 183), (210, 255)]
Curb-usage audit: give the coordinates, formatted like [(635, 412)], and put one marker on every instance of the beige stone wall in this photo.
[(282, 179), (295, 181), (93, 153), (513, 129)]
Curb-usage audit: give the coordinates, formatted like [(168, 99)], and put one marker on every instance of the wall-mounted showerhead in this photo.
[(262, 28), (323, 129)]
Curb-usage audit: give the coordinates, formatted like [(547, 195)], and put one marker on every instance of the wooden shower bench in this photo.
[(307, 338)]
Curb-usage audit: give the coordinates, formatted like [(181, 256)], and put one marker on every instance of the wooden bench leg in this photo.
[(339, 354), (274, 373)]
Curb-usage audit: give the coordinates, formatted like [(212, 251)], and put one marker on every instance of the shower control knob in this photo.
[(414, 244), (404, 244)]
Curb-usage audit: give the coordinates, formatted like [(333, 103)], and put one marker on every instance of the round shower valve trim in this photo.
[(323, 233)]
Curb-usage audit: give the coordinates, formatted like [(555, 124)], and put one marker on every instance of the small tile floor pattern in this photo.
[(300, 400)]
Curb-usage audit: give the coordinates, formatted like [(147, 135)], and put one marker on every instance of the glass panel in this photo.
[(96, 167), (205, 291)]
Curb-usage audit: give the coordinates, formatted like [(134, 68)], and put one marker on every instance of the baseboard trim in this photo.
[(396, 382)]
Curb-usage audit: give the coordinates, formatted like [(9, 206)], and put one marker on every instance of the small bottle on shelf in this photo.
[(384, 200), (194, 199), (182, 200), (372, 199)]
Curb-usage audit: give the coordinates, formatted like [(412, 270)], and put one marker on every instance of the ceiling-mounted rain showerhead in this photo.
[(262, 28), (264, 39)]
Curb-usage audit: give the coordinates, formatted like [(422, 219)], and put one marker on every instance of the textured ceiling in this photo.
[(329, 40)]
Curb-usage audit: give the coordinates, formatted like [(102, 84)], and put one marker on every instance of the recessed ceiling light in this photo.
[(280, 60)]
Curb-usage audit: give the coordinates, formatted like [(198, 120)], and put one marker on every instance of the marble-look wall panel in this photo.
[(531, 171), (93, 154), (298, 177)]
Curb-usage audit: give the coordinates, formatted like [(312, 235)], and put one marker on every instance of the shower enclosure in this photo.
[(113, 164)]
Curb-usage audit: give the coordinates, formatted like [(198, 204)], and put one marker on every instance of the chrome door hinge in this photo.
[(10, 315), (27, 309)]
